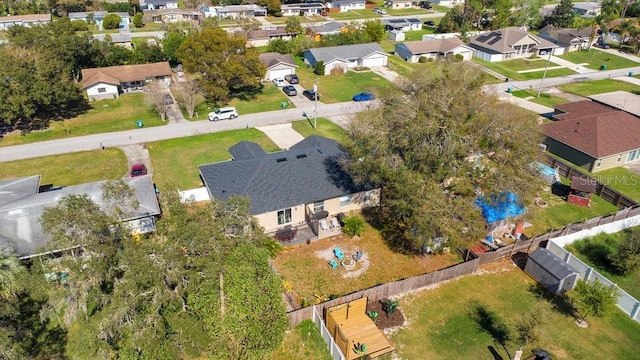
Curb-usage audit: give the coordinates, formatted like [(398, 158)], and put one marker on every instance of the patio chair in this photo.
[(333, 264), (335, 224), (357, 256), (338, 253), (323, 225)]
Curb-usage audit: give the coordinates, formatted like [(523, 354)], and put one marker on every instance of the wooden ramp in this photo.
[(350, 326)]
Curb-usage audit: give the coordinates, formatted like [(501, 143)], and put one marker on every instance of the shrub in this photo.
[(354, 225), (458, 58), (318, 68), (79, 25), (337, 70), (600, 249), (373, 315), (627, 258), (389, 306), (422, 59), (111, 21), (137, 20)]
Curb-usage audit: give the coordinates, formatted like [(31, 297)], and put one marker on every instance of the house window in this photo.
[(619, 158), (633, 155), (368, 196), (598, 163), (318, 206), (102, 90), (284, 216), (345, 200)]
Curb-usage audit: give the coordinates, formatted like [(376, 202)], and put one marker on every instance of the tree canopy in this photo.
[(227, 66), (562, 15), (435, 147)]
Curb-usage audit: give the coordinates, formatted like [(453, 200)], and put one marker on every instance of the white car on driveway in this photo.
[(279, 82)]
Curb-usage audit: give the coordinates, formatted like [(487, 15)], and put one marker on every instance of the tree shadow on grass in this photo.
[(492, 323), (560, 303)]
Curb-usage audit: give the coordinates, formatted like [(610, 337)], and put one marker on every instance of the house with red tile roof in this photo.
[(110, 82), (593, 136)]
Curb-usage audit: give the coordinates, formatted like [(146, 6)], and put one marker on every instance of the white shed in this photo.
[(550, 271)]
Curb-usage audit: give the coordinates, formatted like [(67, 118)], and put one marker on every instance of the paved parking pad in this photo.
[(282, 134)]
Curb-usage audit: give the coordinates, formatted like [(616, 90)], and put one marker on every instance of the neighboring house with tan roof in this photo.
[(437, 49), (509, 43), (170, 15), (278, 65), (123, 40), (110, 82), (593, 136), (24, 20), (568, 40), (621, 100), (264, 35)]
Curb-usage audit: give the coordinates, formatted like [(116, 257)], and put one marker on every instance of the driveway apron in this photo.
[(282, 134)]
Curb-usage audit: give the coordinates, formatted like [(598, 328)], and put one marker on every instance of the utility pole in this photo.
[(545, 72), (315, 102)]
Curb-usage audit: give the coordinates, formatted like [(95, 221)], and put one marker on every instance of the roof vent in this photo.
[(301, 156), (281, 159)]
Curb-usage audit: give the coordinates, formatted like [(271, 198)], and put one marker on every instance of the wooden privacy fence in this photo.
[(605, 192)]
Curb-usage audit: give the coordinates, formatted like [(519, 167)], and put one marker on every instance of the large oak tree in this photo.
[(435, 147), (227, 66)]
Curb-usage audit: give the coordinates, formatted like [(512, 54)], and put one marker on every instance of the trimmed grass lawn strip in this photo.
[(587, 88), (621, 179), (440, 325), (176, 161), (325, 128), (70, 169), (544, 99), (103, 117), (596, 58), (303, 342), (509, 68)]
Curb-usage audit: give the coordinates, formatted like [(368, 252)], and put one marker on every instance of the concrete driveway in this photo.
[(282, 134)]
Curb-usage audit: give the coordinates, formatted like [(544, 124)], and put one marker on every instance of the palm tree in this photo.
[(10, 267), (625, 29)]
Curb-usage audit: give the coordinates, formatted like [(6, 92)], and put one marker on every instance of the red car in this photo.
[(138, 170)]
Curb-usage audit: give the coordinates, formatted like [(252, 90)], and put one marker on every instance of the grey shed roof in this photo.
[(20, 219), (357, 51), (16, 189), (329, 27), (553, 264), (308, 172)]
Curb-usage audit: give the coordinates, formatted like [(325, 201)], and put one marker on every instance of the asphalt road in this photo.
[(174, 130)]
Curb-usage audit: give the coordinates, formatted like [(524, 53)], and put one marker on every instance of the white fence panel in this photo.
[(335, 351), (627, 302), (557, 250), (610, 228), (581, 267)]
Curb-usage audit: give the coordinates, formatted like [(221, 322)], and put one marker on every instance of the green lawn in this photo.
[(70, 169), (544, 99), (303, 342), (325, 128), (269, 99), (621, 179), (276, 20), (587, 88), (560, 213), (137, 41), (444, 322), (339, 88), (509, 69), (407, 12), (629, 283), (595, 58), (175, 161), (355, 14), (149, 26), (104, 116), (416, 35)]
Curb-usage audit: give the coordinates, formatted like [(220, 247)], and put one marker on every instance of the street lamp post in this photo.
[(545, 72), (315, 103)]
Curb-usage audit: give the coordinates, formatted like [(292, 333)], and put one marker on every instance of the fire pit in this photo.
[(348, 263)]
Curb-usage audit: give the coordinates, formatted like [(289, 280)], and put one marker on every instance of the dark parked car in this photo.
[(292, 79), (364, 96), (311, 95), (430, 23), (290, 90), (602, 45), (138, 170)]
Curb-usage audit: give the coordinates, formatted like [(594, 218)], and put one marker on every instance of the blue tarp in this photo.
[(500, 206)]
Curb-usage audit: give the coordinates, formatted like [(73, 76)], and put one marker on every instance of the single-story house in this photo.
[(433, 49), (587, 9), (343, 58), (448, 3), (278, 65), (347, 5), (328, 28), (98, 17), (23, 201), (234, 11), (257, 38), (158, 4), (289, 188), (123, 40), (593, 136), (173, 15), (403, 25), (509, 43), (303, 9), (621, 100), (568, 40), (110, 82), (24, 20), (401, 4), (550, 271)]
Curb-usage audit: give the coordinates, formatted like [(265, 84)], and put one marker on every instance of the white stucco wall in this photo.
[(93, 92)]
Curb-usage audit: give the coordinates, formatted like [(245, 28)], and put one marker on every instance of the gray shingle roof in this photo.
[(273, 58), (308, 172), (501, 41), (357, 51), (20, 226), (328, 28), (553, 264)]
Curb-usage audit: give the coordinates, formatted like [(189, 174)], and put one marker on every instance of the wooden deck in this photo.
[(350, 326)]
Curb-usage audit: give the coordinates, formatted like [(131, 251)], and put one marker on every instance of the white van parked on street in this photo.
[(223, 113)]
